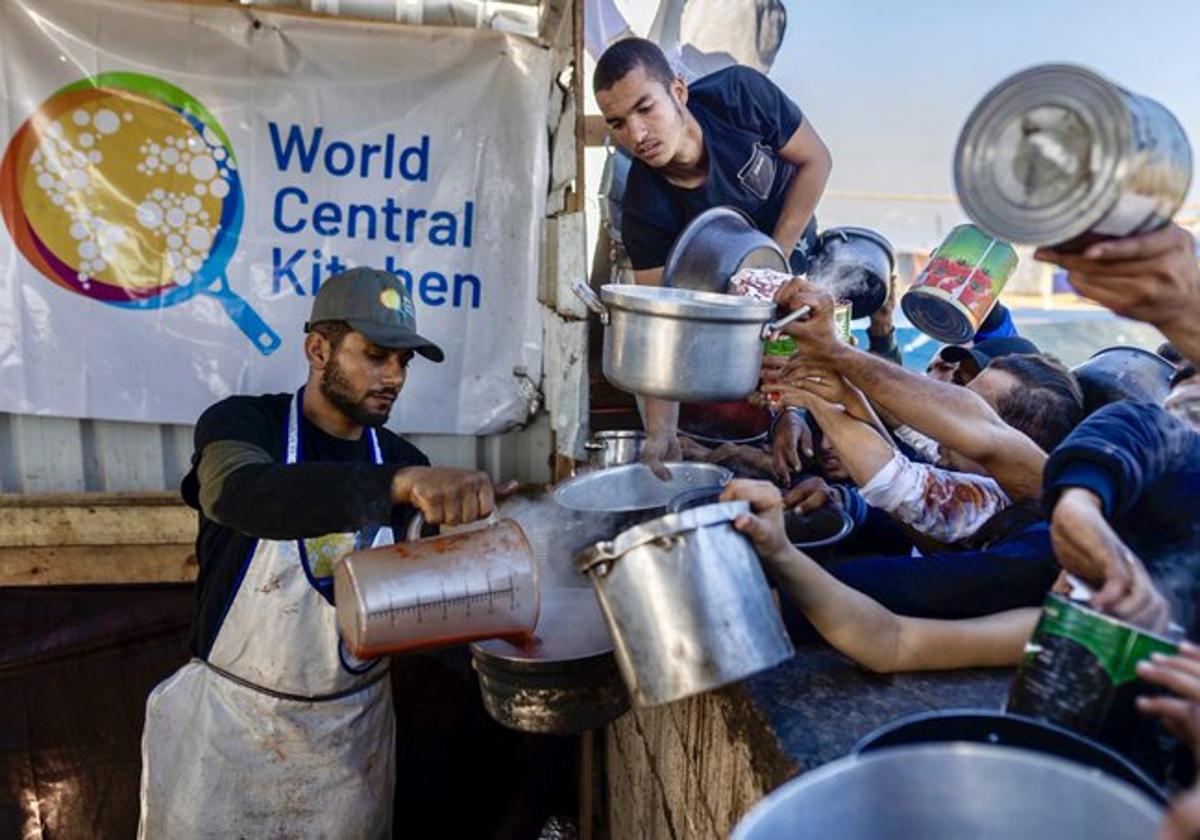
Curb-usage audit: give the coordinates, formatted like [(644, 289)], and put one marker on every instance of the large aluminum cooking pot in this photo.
[(687, 604), (614, 448), (987, 726), (561, 679), (952, 791), (855, 264), (682, 345), (716, 245)]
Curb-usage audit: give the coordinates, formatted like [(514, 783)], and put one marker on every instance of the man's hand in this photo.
[(1086, 546), (1181, 716), (809, 495), (819, 380), (816, 337), (659, 447), (445, 495), (1153, 277), (764, 524), (790, 438), (1180, 674)]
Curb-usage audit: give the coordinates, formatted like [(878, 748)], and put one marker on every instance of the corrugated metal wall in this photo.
[(61, 455)]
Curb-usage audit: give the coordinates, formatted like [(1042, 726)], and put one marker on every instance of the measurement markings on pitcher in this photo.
[(438, 608)]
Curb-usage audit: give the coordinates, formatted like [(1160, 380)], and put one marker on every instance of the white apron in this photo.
[(281, 733)]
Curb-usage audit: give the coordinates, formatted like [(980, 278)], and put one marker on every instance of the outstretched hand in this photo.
[(764, 524)]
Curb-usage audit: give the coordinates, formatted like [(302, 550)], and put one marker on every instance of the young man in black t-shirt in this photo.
[(731, 138)]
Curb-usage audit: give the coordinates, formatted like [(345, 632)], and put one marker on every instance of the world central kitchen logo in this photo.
[(124, 189)]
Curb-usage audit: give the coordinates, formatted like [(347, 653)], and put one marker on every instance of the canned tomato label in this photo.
[(958, 288), (1059, 155), (1078, 671)]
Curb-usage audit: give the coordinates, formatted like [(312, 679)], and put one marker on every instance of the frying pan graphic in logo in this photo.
[(125, 189)]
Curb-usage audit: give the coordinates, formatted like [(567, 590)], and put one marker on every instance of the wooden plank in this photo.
[(80, 565), (95, 520)]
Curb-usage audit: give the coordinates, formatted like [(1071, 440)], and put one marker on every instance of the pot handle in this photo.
[(796, 315), (590, 299), (412, 533), (596, 559), (595, 446)]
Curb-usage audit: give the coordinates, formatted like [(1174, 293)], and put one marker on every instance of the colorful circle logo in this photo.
[(125, 189)]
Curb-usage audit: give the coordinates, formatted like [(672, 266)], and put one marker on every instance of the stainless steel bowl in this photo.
[(716, 245), (635, 489)]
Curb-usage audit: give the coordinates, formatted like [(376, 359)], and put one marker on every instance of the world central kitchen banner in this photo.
[(178, 179)]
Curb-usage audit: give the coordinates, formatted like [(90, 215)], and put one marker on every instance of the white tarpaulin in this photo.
[(178, 178)]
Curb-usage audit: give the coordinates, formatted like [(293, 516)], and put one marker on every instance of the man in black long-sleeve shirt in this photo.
[(275, 728)]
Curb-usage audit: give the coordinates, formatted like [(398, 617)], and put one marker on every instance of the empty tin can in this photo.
[(957, 289), (1059, 155)]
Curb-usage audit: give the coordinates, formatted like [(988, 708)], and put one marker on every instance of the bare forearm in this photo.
[(659, 416), (856, 625), (878, 639), (861, 450), (800, 202), (954, 416)]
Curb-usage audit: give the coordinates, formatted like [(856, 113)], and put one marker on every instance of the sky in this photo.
[(889, 84)]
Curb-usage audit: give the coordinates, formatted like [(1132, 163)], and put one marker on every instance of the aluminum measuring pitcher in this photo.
[(446, 590)]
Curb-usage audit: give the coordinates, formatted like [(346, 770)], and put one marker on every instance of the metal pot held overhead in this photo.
[(677, 344), (687, 604)]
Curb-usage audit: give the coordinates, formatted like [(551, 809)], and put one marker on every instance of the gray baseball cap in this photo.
[(375, 303)]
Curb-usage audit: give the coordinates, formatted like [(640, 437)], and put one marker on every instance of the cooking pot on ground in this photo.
[(952, 791), (614, 448), (561, 679), (855, 264), (687, 604), (716, 245), (682, 345), (1124, 373)]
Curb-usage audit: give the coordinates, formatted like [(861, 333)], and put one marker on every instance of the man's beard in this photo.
[(336, 388)]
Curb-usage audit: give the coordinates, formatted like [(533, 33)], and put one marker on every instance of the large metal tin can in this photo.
[(1059, 155), (958, 288), (1079, 671)]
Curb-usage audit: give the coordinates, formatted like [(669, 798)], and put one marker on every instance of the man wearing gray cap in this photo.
[(274, 728)]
